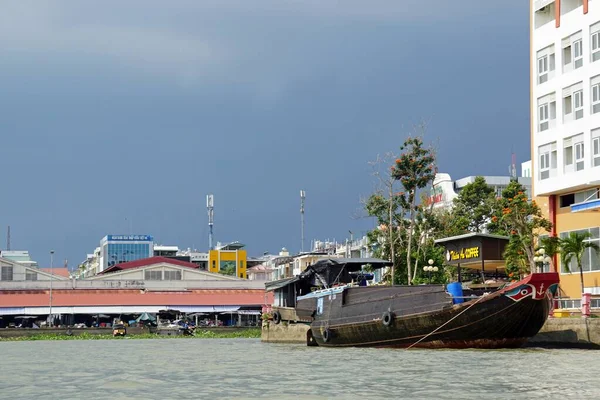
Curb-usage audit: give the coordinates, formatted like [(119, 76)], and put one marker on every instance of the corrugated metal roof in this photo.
[(149, 261)]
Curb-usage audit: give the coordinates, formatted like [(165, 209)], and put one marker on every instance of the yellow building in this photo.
[(229, 260)]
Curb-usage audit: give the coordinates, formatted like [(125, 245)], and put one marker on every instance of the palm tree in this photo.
[(574, 246), (551, 246)]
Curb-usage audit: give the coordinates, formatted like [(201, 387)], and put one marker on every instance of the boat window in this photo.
[(320, 306)]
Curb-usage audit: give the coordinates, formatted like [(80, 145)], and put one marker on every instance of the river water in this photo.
[(247, 368)]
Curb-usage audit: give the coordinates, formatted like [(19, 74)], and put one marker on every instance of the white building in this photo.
[(445, 190), (565, 45), (526, 169), (565, 131)]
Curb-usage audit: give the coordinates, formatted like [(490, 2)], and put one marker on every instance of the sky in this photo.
[(120, 117)]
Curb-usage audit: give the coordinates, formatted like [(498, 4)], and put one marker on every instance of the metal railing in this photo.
[(573, 304)]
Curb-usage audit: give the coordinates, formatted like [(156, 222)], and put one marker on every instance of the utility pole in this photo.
[(8, 239), (51, 279), (302, 198), (210, 206)]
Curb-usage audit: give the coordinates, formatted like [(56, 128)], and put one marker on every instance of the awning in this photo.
[(586, 206), (112, 309)]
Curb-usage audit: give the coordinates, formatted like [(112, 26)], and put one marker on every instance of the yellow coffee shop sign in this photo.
[(464, 254)]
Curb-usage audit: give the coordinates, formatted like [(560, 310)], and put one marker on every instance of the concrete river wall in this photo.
[(557, 332)]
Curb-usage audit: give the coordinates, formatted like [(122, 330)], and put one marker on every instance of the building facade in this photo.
[(565, 131), (117, 249), (229, 259), (445, 190)]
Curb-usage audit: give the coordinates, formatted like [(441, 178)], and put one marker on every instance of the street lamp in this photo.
[(51, 279), (429, 269), (540, 258)]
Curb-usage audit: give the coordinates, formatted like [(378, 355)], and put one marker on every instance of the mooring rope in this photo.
[(445, 323)]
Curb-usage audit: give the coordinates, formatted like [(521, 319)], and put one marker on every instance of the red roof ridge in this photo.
[(145, 262)]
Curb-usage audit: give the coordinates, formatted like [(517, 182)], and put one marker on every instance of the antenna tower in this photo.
[(513, 167), (8, 239), (302, 198), (210, 206)]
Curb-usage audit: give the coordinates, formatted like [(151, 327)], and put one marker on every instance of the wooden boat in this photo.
[(424, 316)]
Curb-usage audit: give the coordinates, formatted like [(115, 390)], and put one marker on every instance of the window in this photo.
[(579, 160), (31, 276), (542, 69), (544, 117), (596, 98), (172, 275), (590, 260), (545, 165), (578, 104), (577, 54), (572, 52), (595, 40), (567, 199), (7, 273), (596, 152), (568, 155), (573, 154), (573, 102), (545, 64), (153, 276), (586, 195), (546, 112)]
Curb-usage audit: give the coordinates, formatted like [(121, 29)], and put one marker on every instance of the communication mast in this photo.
[(512, 169), (302, 198), (210, 206)]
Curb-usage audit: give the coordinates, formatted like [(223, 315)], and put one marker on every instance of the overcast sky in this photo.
[(118, 115)]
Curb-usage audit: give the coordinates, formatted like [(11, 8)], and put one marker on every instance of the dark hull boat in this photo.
[(428, 316)]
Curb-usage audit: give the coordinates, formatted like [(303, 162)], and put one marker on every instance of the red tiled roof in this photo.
[(144, 262), (134, 297), (57, 271)]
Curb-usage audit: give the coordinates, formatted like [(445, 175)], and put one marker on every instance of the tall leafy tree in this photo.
[(415, 170), (574, 246), (386, 206), (474, 206), (522, 220)]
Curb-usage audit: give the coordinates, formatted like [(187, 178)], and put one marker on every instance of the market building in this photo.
[(565, 126), (147, 285)]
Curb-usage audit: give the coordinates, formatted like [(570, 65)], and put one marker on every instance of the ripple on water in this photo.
[(247, 368)]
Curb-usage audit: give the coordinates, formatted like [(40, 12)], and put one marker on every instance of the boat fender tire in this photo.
[(387, 318), (276, 317), (327, 335)]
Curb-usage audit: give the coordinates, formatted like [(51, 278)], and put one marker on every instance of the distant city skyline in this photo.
[(121, 118)]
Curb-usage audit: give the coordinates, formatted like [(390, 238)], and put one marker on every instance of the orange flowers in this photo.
[(494, 219), (506, 211)]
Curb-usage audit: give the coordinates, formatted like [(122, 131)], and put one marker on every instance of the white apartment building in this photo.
[(565, 115)]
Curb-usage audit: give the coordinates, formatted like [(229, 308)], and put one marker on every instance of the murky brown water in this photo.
[(247, 368)]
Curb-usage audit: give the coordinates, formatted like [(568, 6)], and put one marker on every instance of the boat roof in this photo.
[(274, 285)]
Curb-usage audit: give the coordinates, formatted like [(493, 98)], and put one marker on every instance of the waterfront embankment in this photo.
[(574, 332), (8, 335)]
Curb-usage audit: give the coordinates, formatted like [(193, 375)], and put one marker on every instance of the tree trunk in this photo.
[(411, 228), (580, 275), (390, 229)]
